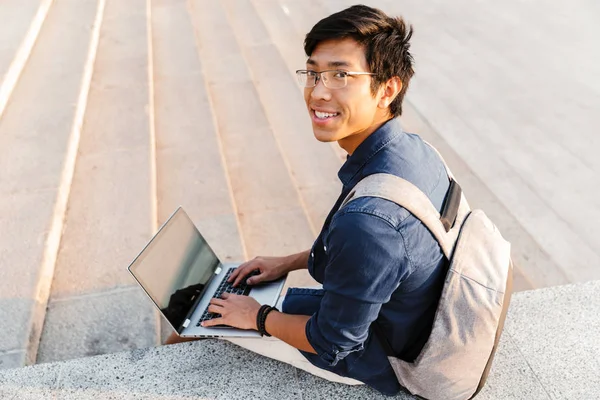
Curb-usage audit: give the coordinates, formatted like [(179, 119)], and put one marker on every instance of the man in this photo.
[(379, 266)]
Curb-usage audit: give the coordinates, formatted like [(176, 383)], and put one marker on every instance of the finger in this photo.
[(231, 297), (241, 269), (218, 302), (224, 296), (215, 309), (256, 279), (235, 273), (244, 271), (213, 322)]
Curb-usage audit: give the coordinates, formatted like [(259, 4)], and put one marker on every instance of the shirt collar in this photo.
[(373, 144)]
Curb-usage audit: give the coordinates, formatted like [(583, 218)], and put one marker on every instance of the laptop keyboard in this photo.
[(227, 287)]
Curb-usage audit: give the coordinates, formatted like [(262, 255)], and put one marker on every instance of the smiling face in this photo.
[(350, 114)]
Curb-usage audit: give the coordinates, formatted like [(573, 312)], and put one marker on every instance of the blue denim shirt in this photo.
[(376, 262)]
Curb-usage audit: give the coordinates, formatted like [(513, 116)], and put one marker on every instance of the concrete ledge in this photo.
[(550, 350)]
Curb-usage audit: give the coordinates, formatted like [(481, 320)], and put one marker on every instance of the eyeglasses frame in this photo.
[(318, 76)]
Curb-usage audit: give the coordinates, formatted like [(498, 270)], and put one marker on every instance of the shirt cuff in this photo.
[(329, 353)]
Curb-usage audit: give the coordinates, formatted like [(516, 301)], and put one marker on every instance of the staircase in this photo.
[(113, 113)]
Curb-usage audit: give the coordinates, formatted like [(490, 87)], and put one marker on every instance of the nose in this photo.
[(320, 92)]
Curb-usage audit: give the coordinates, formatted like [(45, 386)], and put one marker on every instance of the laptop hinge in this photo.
[(186, 323)]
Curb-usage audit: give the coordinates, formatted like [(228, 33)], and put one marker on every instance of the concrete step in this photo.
[(312, 165), (548, 154), (546, 352), (94, 306), (304, 15), (20, 24), (271, 215), (38, 137), (532, 157), (190, 163), (537, 106), (555, 236)]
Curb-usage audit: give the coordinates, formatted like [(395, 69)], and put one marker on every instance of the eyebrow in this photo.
[(331, 64)]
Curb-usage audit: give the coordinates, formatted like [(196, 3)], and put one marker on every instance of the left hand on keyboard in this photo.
[(235, 310)]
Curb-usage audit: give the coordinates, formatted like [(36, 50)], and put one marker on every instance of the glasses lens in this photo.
[(334, 79), (301, 76), (306, 78)]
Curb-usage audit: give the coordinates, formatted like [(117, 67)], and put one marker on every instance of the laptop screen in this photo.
[(175, 267)]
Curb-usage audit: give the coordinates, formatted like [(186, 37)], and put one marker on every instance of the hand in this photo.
[(236, 311), (270, 268)]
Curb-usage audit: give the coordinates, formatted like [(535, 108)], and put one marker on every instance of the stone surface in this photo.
[(110, 322), (12, 359), (15, 317), (199, 372), (549, 351), (557, 331), (31, 149), (17, 384), (280, 28), (317, 388), (189, 161), (15, 18), (511, 376), (190, 164), (25, 220), (34, 134), (304, 15), (109, 207), (259, 178), (110, 216), (274, 233)]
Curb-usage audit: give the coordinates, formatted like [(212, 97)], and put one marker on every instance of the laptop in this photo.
[(180, 274)]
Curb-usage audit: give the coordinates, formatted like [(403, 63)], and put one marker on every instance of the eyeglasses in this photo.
[(332, 79)]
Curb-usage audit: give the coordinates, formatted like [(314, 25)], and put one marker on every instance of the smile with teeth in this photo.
[(324, 115)]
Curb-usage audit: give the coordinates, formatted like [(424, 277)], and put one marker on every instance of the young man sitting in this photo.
[(377, 263)]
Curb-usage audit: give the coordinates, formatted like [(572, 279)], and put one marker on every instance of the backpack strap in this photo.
[(407, 195), (452, 197)]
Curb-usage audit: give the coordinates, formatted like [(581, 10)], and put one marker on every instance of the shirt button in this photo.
[(324, 248), (312, 254)]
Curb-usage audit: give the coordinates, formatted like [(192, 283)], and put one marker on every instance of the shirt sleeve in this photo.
[(366, 261)]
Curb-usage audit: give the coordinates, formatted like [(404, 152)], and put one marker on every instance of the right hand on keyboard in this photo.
[(269, 269)]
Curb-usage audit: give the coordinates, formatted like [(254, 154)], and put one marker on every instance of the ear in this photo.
[(389, 91)]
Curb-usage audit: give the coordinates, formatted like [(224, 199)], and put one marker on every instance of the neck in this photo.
[(351, 143)]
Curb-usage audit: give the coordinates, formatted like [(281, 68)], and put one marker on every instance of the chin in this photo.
[(326, 135)]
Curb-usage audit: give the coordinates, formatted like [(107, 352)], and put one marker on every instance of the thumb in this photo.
[(253, 280)]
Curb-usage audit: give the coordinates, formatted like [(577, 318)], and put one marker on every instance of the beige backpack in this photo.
[(456, 359)]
